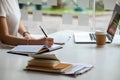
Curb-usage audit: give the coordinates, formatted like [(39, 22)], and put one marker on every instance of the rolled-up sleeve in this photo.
[(2, 9)]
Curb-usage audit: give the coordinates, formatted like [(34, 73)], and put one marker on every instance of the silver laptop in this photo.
[(87, 37)]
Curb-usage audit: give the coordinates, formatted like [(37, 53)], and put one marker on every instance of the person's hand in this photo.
[(47, 41)]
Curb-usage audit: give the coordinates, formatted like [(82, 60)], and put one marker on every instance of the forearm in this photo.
[(21, 29), (24, 32), (12, 40)]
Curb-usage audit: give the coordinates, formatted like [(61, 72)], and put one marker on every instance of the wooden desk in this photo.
[(106, 61)]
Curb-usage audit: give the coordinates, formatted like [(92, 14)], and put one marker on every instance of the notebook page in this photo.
[(27, 48), (54, 47)]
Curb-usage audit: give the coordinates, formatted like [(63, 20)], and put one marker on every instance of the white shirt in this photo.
[(10, 10)]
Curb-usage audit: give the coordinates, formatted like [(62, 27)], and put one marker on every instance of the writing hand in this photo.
[(47, 41)]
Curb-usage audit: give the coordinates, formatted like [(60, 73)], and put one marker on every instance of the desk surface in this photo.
[(105, 60)]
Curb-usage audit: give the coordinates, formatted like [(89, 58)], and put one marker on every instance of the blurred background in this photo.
[(57, 15)]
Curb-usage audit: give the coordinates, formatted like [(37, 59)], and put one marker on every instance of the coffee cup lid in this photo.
[(100, 33)]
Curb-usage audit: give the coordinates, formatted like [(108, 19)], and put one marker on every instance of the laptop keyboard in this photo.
[(109, 37), (92, 36)]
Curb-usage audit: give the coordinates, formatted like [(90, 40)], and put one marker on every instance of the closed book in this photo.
[(43, 63), (60, 68)]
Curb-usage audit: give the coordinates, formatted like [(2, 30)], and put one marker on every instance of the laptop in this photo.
[(89, 37)]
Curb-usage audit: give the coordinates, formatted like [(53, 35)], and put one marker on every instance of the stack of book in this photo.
[(50, 63)]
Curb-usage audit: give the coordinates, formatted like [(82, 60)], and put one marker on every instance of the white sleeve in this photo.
[(2, 9)]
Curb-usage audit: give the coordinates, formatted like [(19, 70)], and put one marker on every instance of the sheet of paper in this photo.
[(83, 3), (76, 68), (37, 2), (79, 68), (27, 48), (37, 15), (83, 19), (24, 14), (54, 47), (109, 4), (52, 2), (67, 18), (57, 38)]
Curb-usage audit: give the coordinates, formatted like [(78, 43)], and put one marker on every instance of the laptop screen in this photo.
[(114, 23)]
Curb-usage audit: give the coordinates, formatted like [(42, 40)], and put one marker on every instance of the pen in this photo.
[(43, 31)]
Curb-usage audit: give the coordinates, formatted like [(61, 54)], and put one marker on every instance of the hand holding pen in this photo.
[(47, 41), (47, 36)]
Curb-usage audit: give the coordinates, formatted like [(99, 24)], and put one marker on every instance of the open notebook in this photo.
[(33, 49), (88, 37)]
